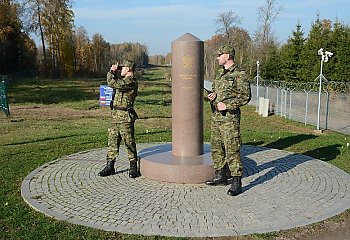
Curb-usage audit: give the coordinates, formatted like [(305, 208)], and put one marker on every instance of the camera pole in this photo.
[(324, 58)]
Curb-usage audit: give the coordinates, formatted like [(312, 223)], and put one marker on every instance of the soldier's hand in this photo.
[(212, 96), (114, 67), (221, 106)]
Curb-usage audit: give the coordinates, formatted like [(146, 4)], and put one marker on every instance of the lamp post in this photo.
[(324, 58)]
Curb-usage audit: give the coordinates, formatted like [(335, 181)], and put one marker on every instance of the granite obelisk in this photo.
[(186, 159), (187, 95)]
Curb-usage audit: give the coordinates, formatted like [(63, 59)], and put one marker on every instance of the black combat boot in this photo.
[(134, 170), (108, 170), (219, 179), (228, 173), (236, 186)]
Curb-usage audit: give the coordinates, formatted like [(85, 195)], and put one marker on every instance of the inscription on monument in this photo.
[(188, 76), (187, 61)]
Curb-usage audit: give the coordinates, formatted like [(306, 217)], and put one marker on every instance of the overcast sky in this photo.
[(156, 23)]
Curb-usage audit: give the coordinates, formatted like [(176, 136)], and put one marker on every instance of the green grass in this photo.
[(53, 118)]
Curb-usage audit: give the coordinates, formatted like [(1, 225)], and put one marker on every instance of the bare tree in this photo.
[(225, 22), (33, 14), (264, 37), (267, 15)]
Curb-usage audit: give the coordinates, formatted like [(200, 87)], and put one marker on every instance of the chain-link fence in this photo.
[(300, 102)]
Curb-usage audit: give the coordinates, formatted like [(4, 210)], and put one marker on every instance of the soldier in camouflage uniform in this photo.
[(121, 79), (231, 90)]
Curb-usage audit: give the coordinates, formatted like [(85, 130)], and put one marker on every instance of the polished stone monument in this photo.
[(186, 159)]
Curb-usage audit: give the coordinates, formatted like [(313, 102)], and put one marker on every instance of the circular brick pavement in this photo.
[(281, 190)]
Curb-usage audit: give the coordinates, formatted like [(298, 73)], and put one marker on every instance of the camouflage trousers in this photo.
[(118, 132), (226, 145)]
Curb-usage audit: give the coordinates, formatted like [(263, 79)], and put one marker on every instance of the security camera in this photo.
[(329, 54), (320, 52)]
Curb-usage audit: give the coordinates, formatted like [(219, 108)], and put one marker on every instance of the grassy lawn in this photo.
[(54, 118)]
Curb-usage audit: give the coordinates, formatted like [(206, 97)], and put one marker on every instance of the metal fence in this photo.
[(4, 104), (300, 102)]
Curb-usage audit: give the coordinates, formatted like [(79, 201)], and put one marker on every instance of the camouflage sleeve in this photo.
[(242, 92), (119, 83)]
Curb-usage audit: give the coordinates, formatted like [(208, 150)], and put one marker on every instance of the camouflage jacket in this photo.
[(232, 87), (125, 94)]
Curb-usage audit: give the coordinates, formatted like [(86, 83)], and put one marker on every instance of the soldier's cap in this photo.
[(128, 63), (226, 49)]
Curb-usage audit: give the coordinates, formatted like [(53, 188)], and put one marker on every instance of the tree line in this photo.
[(295, 61), (298, 60), (67, 51)]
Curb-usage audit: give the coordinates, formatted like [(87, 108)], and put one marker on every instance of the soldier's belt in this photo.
[(224, 112), (122, 108), (132, 113)]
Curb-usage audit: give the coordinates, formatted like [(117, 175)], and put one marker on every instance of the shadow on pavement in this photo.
[(287, 163)]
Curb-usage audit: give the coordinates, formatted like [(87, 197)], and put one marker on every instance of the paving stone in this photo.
[(281, 190)]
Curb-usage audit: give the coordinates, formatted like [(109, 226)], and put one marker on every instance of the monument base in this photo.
[(158, 163)]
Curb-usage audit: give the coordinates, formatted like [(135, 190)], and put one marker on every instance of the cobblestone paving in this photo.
[(281, 190)]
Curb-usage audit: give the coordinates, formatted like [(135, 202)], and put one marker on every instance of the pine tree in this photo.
[(338, 68), (310, 60), (270, 69), (291, 56)]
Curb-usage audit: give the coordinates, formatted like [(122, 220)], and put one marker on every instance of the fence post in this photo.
[(278, 100), (327, 109), (4, 104), (306, 106), (285, 103)]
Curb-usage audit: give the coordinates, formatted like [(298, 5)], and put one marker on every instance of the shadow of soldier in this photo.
[(284, 143), (285, 163), (325, 153), (274, 168)]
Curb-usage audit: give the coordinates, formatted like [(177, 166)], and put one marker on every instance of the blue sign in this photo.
[(106, 95)]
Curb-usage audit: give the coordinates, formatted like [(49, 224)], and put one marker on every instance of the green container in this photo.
[(4, 103)]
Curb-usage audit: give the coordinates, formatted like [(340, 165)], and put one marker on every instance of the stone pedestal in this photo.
[(159, 163)]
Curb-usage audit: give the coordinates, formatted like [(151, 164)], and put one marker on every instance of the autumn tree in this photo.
[(211, 47), (132, 51), (228, 32), (17, 50), (82, 52), (53, 21), (157, 60), (100, 52)]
